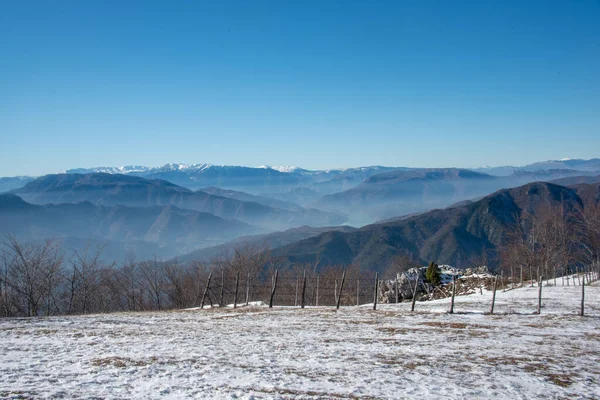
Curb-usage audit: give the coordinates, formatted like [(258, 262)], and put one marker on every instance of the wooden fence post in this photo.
[(273, 289), (205, 290), (453, 292), (247, 288), (303, 288), (581, 312), (237, 283), (339, 297), (412, 307), (494, 294), (539, 308), (521, 276), (222, 286), (376, 288)]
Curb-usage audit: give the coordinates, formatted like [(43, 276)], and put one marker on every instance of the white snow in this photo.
[(280, 168), (170, 167), (256, 352)]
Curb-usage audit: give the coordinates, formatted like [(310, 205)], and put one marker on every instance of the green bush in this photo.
[(433, 274)]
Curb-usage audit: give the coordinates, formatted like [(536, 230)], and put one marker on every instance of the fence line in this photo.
[(219, 287), (285, 291)]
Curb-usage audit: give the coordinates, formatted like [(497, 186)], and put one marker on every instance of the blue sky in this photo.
[(317, 84)]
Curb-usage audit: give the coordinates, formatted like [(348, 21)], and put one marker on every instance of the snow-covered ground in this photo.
[(254, 352)]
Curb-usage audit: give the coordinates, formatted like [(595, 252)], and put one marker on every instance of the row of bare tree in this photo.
[(551, 243), (38, 279)]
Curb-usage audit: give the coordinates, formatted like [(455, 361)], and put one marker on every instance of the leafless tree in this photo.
[(84, 280), (401, 263), (153, 280), (30, 277), (588, 233)]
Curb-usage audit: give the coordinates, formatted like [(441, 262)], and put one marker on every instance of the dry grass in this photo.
[(541, 368), (287, 393), (119, 362), (18, 394), (125, 362), (395, 331)]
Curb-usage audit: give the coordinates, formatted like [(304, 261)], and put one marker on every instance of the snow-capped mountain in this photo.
[(265, 178), (283, 168), (281, 180), (592, 165), (128, 169)]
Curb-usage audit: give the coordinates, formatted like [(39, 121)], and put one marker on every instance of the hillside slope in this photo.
[(448, 236), (163, 226), (270, 241)]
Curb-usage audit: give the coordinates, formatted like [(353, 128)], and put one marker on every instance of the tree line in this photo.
[(40, 279), (550, 243), (43, 279)]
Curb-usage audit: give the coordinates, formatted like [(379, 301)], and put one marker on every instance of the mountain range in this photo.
[(248, 179), (203, 211), (114, 189), (282, 180), (450, 236), (396, 193)]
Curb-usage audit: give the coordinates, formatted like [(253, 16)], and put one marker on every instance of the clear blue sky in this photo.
[(315, 84)]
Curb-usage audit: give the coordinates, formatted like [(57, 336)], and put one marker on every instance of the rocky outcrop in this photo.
[(406, 286), (468, 281)]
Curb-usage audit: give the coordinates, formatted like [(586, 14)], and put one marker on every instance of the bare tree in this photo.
[(30, 277), (153, 278), (128, 285), (588, 233), (84, 280), (400, 263)]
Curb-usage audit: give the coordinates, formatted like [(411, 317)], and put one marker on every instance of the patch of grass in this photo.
[(539, 368), (122, 362), (394, 331), (18, 394), (507, 360), (45, 331), (592, 336), (453, 325), (298, 393), (411, 364), (361, 322), (563, 380)]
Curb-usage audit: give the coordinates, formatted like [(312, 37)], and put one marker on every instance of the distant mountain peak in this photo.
[(127, 169), (281, 168)]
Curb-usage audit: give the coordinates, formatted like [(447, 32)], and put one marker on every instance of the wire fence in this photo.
[(320, 291), (154, 286), (295, 291)]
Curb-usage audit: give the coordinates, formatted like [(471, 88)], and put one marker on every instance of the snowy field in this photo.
[(256, 353)]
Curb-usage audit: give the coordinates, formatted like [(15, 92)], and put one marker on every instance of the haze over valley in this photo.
[(180, 210)]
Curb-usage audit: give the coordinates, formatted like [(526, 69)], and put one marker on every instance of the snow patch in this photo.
[(256, 352)]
